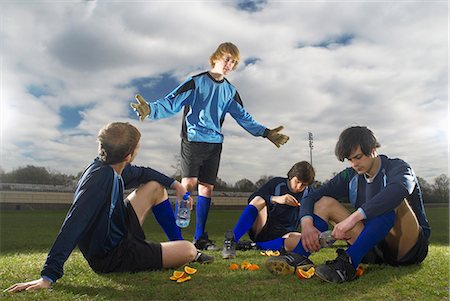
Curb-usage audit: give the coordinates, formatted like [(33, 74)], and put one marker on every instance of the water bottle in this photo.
[(183, 212), (326, 239)]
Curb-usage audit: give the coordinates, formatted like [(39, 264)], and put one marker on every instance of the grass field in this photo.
[(26, 236)]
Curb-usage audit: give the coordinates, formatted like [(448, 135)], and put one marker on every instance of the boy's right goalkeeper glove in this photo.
[(141, 108)]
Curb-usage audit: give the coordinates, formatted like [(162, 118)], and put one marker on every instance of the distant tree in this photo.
[(177, 166), (36, 175), (245, 185), (427, 190), (263, 180), (221, 185), (441, 188)]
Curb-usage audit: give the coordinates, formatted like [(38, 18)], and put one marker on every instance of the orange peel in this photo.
[(253, 267), (302, 274), (177, 275), (359, 271), (233, 267), (245, 265), (190, 270), (184, 279)]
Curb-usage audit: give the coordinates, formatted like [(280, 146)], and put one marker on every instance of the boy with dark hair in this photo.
[(273, 213), (207, 98), (389, 225), (107, 228)]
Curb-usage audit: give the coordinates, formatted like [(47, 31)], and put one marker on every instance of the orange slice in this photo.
[(184, 279), (177, 275), (359, 271), (302, 274), (190, 270), (233, 267), (245, 265), (253, 267)]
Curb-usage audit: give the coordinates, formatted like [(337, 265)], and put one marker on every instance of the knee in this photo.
[(191, 250), (325, 204), (258, 202), (189, 183), (205, 189), (154, 190)]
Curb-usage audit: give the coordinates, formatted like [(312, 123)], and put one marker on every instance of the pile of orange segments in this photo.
[(244, 266), (270, 253), (183, 276)]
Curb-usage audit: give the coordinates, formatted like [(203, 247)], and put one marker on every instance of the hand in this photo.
[(141, 108), (286, 199), (277, 138), (180, 191), (29, 286), (342, 230), (310, 236)]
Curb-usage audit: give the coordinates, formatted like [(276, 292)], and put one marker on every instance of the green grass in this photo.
[(26, 236)]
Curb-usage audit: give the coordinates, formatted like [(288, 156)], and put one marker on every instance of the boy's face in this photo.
[(361, 163), (225, 64), (296, 185)]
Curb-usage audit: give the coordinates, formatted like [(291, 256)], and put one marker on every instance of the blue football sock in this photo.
[(245, 221), (164, 215), (374, 231), (202, 210), (275, 244), (321, 225)]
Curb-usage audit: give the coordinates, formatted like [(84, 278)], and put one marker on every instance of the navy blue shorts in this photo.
[(200, 160), (273, 229), (381, 254), (133, 254)]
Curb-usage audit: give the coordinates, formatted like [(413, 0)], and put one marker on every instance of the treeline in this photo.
[(436, 192)]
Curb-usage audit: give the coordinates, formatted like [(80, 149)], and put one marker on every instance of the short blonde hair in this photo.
[(224, 49)]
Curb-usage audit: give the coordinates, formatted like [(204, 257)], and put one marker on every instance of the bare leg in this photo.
[(177, 253), (205, 189), (261, 219), (403, 236), (330, 210), (291, 240), (145, 197), (189, 183), (174, 253)]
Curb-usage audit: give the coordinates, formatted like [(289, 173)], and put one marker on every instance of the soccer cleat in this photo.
[(229, 246), (339, 270), (204, 243), (245, 245), (203, 258), (288, 263)]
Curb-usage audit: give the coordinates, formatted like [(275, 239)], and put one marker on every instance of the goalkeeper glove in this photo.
[(141, 108), (277, 138)]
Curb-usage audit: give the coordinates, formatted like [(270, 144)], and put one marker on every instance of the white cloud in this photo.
[(392, 77)]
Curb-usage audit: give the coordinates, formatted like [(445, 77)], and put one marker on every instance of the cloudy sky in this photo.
[(70, 67)]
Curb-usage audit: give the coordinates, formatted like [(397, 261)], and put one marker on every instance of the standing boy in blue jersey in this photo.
[(272, 216), (206, 98), (389, 225), (107, 228)]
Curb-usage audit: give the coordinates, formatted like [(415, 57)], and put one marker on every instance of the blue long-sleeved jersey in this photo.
[(92, 222), (285, 215), (394, 182), (206, 102)]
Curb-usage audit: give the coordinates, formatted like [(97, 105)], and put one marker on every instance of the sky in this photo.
[(67, 68)]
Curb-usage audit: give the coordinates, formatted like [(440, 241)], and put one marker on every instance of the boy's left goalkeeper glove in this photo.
[(277, 138)]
